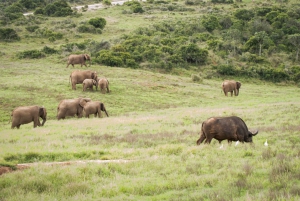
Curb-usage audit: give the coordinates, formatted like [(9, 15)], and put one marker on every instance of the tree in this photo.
[(258, 41), (234, 36), (210, 22), (295, 40)]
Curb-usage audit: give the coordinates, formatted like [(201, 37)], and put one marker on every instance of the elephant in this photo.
[(94, 107), (231, 86), (103, 85), (88, 83), (78, 59), (27, 114), (71, 107), (77, 77)]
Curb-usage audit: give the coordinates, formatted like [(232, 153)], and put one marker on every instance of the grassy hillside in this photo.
[(155, 121)]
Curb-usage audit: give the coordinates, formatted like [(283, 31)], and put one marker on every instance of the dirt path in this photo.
[(23, 166), (91, 7)]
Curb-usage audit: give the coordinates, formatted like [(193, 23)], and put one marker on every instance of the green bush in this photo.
[(49, 50), (8, 34), (106, 57), (59, 8), (30, 54), (98, 22), (32, 28)]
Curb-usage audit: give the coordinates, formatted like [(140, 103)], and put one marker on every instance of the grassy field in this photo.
[(155, 121)]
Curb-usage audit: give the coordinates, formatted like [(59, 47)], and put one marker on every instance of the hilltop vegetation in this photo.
[(165, 61), (229, 38)]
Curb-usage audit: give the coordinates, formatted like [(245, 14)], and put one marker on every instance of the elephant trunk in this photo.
[(103, 108), (44, 121)]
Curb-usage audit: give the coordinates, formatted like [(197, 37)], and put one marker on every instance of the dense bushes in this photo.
[(59, 8), (261, 72), (8, 34), (36, 54)]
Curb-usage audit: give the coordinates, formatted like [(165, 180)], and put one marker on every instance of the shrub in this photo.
[(59, 8), (98, 22), (48, 50), (32, 28), (107, 58), (8, 34), (30, 54)]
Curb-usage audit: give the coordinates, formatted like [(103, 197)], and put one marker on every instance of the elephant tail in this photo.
[(10, 119), (70, 79)]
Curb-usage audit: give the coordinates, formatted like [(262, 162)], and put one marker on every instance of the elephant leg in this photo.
[(235, 92), (231, 93), (18, 126), (73, 65), (73, 86)]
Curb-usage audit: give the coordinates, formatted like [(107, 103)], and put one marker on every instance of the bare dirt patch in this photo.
[(4, 169)]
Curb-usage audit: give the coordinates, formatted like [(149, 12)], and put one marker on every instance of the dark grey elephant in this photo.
[(78, 59), (94, 107), (77, 77), (231, 86), (27, 114), (71, 107)]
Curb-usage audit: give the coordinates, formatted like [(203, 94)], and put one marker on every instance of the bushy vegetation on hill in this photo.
[(261, 41)]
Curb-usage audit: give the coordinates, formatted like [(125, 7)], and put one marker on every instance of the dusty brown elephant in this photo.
[(231, 86), (103, 85), (27, 114), (78, 59), (77, 77), (71, 107), (94, 107), (88, 84)]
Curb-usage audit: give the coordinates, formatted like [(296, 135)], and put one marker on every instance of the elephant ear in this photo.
[(83, 101), (238, 85), (42, 112)]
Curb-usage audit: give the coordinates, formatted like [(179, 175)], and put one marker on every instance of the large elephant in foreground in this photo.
[(77, 77), (78, 59), (27, 114), (71, 107), (231, 86), (94, 107), (103, 85)]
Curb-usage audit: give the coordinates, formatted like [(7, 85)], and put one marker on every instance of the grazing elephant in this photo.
[(94, 107), (88, 83), (231, 86), (77, 77), (78, 59), (27, 114), (103, 85), (71, 107)]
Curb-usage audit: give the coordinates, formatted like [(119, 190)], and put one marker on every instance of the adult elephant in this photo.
[(103, 85), (231, 86), (71, 107), (77, 77), (27, 114), (94, 107), (78, 59)]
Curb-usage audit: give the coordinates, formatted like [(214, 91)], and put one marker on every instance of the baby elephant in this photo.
[(103, 85), (88, 83)]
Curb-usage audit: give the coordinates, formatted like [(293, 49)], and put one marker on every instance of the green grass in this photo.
[(155, 121)]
